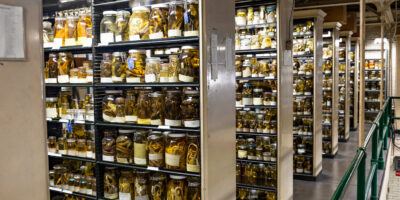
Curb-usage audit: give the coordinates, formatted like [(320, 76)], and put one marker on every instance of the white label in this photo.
[(272, 103), (172, 160), (89, 191), (254, 75), (164, 79), (63, 152), (242, 154), (52, 150), (170, 122), (158, 35), (47, 45), (309, 73), (134, 37), (107, 118), (70, 42), (266, 131), (89, 79), (185, 78), (51, 112), (299, 170), (273, 159), (89, 154), (192, 168), (145, 197), (71, 152), (105, 80), (131, 118), (247, 101), (239, 129), (257, 101), (63, 78), (82, 154), (116, 79), (122, 160), (150, 78), (119, 119), (192, 124), (69, 191), (240, 21), (57, 43), (124, 196), (245, 129), (87, 42), (251, 157), (155, 122), (238, 74), (190, 33), (140, 161), (50, 80), (118, 38), (246, 73), (108, 158), (307, 113), (89, 116), (73, 80), (238, 103), (174, 33), (156, 156), (106, 38), (173, 79), (133, 80)]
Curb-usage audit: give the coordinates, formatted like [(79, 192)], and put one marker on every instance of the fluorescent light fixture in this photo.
[(329, 34)]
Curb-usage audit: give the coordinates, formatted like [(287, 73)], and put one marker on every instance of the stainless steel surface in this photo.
[(335, 89), (347, 85), (217, 99), (356, 82)]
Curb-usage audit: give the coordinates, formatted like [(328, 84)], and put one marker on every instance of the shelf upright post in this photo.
[(362, 75), (356, 43), (381, 85)]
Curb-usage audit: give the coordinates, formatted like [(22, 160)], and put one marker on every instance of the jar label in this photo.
[(150, 78), (164, 79), (50, 80), (133, 80), (185, 78), (89, 191), (299, 170), (63, 152), (156, 156), (254, 75), (108, 158), (117, 79), (155, 122), (158, 35), (107, 118), (272, 103), (242, 154), (247, 101), (118, 38), (52, 150), (173, 79), (192, 124), (105, 80), (238, 74), (89, 79), (174, 33), (124, 196), (82, 154), (238, 103), (81, 40), (172, 160), (170, 122), (119, 119), (131, 118), (257, 101), (273, 159), (106, 38), (57, 42), (239, 129), (144, 197), (74, 80), (259, 130), (143, 121), (134, 37), (70, 42), (122, 160), (63, 78), (139, 151), (251, 157), (111, 195), (71, 152), (240, 21), (51, 112), (192, 168), (89, 116), (246, 73), (89, 154), (190, 33)]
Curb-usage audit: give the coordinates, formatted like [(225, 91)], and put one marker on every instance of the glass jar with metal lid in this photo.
[(144, 107), (59, 178), (156, 148), (109, 146), (52, 144), (59, 32), (175, 151), (108, 27), (194, 191), (71, 147), (189, 70), (62, 145), (64, 64), (110, 183), (130, 107), (109, 105), (50, 70), (125, 185), (173, 68), (191, 109), (48, 34), (84, 23), (106, 68), (158, 24), (71, 30), (173, 101), (191, 25), (118, 67), (122, 26), (175, 19), (157, 186), (246, 68), (247, 94), (81, 147), (157, 108), (258, 96), (120, 110), (51, 108), (141, 185), (136, 65), (139, 148), (124, 146), (193, 153), (152, 72), (139, 23), (177, 187)]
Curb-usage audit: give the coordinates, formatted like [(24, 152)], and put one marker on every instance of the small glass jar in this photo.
[(131, 107), (173, 114), (258, 96), (246, 69), (175, 151), (71, 31), (135, 71), (110, 183), (48, 34), (74, 75), (247, 94), (51, 107), (301, 149), (89, 71), (108, 27), (191, 25), (81, 147), (191, 109), (173, 68), (89, 110), (139, 23), (84, 23), (71, 147), (64, 64), (120, 110), (141, 185), (125, 184), (118, 68), (144, 107), (271, 14), (90, 153), (158, 185), (189, 70), (109, 146), (59, 179), (177, 187), (59, 32), (52, 144), (240, 18), (193, 153), (82, 75), (307, 166), (194, 188), (156, 147), (106, 69), (51, 71), (152, 72), (175, 19), (242, 152), (62, 146), (124, 146), (139, 148), (109, 105), (157, 108), (250, 15), (164, 73), (122, 26), (158, 24)]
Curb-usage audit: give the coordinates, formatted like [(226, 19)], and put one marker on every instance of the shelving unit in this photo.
[(316, 17)]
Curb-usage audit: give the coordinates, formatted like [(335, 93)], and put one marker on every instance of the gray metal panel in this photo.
[(335, 91), (347, 99)]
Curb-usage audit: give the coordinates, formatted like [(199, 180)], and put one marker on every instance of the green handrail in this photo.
[(377, 136)]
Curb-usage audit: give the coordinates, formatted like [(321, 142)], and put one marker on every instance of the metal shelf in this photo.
[(303, 155), (254, 106), (180, 84), (372, 90), (308, 57), (255, 134), (69, 48), (112, 3), (54, 155), (250, 3), (255, 78), (302, 115), (254, 187), (69, 85), (306, 136), (86, 196), (266, 25), (256, 161), (302, 95), (138, 126), (302, 76), (68, 121), (148, 44), (256, 51)]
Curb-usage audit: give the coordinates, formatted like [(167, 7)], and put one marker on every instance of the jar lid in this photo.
[(155, 94), (137, 51), (250, 139), (120, 100), (258, 89), (161, 5), (193, 136), (122, 12), (176, 135), (140, 8), (126, 131), (192, 92), (173, 91), (117, 53), (60, 18), (241, 10), (154, 136), (189, 47), (52, 137), (259, 148), (71, 140), (153, 59), (177, 177), (109, 12), (82, 140), (113, 91), (51, 99), (158, 177)]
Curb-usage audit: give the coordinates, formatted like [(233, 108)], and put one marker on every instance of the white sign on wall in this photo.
[(12, 41)]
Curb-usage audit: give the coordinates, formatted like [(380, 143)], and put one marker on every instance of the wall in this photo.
[(23, 162)]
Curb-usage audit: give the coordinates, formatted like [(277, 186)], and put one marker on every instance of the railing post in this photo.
[(381, 161), (385, 124), (361, 178), (374, 159)]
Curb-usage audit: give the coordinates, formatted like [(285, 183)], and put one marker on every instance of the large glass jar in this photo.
[(122, 26), (247, 94), (139, 23), (158, 184), (189, 71), (71, 30), (48, 34), (109, 146), (139, 145), (110, 183), (52, 144), (158, 25), (191, 25), (84, 23), (62, 146), (156, 148), (108, 27), (152, 74), (118, 68), (124, 146), (59, 32), (71, 147), (130, 107), (64, 64), (106, 69), (175, 151), (173, 103), (191, 109), (157, 108), (50, 69), (89, 110), (175, 19), (271, 14), (81, 147), (240, 18), (125, 185), (51, 107), (173, 68), (194, 190), (109, 105), (193, 153), (141, 185), (144, 107), (59, 179), (135, 70), (177, 188)]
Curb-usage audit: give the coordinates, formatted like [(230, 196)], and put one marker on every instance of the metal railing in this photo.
[(377, 135)]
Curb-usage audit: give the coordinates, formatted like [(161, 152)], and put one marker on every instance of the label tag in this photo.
[(79, 122), (55, 189), (67, 191), (88, 42), (54, 154), (152, 168), (164, 127)]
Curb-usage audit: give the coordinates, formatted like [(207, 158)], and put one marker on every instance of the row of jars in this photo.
[(303, 145), (327, 147), (302, 165), (71, 146), (136, 184), (372, 107), (302, 126), (303, 46), (144, 106), (303, 67), (263, 175), (175, 19), (255, 96), (77, 131), (327, 82), (256, 148), (302, 106), (373, 64), (249, 66), (176, 151), (258, 121), (69, 30), (67, 68), (247, 194), (68, 197), (373, 75), (303, 29), (372, 85), (302, 86), (251, 16), (256, 38), (138, 68)]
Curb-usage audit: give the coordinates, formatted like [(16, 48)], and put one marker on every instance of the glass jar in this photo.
[(89, 71), (52, 144), (247, 94), (81, 75), (109, 146), (64, 64), (51, 107), (175, 151), (62, 146), (173, 68), (156, 148), (250, 15), (139, 23), (59, 178), (191, 24), (109, 105), (158, 184), (141, 185), (71, 31), (84, 23), (177, 187), (144, 107), (110, 183), (158, 24), (48, 34), (139, 148), (108, 27), (90, 153), (271, 14), (194, 188), (246, 69), (189, 70), (258, 96), (118, 68), (124, 146), (193, 153), (242, 151), (50, 69), (89, 110), (74, 75), (191, 109), (175, 19), (106, 69), (59, 32), (81, 147), (157, 108), (173, 108), (136, 66), (122, 26), (71, 147), (120, 110), (152, 73), (164, 73), (240, 18), (125, 185), (131, 107)]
